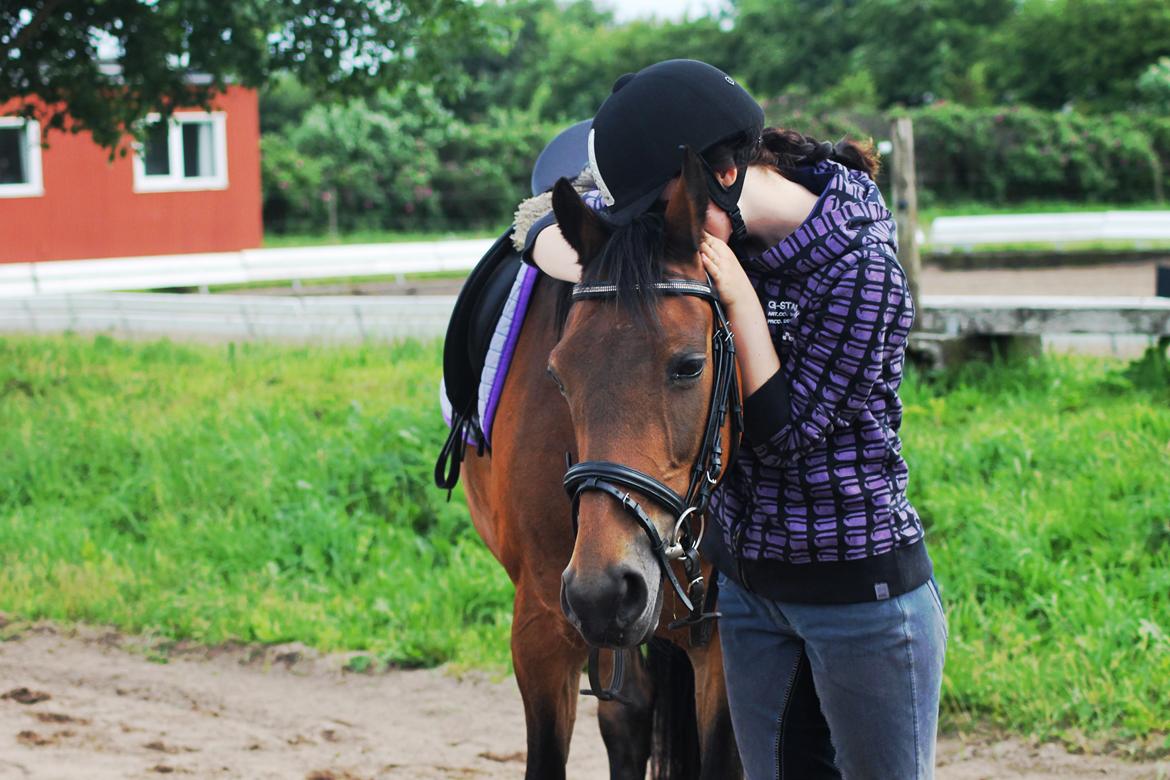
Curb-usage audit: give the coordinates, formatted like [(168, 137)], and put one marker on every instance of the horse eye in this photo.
[(689, 368), (557, 379)]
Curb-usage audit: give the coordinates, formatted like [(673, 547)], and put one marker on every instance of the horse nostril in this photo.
[(603, 605), (566, 608), (631, 598)]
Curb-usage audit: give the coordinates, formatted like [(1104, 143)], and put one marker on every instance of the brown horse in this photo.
[(630, 383)]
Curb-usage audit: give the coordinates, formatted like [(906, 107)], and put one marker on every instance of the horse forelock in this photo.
[(631, 260)]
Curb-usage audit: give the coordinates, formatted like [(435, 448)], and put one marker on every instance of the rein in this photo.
[(682, 544)]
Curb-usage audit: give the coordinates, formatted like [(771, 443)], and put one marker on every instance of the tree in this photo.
[(172, 53), (927, 49), (1089, 53), (564, 55), (911, 51), (787, 43), (1154, 84)]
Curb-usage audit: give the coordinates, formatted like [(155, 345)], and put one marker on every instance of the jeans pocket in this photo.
[(933, 586)]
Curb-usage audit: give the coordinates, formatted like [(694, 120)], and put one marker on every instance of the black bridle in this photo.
[(682, 544)]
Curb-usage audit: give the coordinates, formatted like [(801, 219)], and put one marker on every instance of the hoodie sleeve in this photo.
[(840, 353)]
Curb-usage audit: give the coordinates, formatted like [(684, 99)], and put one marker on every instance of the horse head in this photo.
[(641, 370)]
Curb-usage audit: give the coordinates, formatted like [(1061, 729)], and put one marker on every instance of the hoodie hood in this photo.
[(849, 213)]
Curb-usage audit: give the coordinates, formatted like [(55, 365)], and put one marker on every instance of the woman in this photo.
[(832, 631)]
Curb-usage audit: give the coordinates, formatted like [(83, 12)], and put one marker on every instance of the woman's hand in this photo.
[(725, 271), (754, 352)]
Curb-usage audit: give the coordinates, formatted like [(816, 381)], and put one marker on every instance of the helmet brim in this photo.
[(565, 156)]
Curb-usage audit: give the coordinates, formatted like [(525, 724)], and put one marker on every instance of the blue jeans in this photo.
[(834, 690)]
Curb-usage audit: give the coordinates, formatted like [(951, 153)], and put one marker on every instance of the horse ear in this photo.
[(686, 213), (580, 226)]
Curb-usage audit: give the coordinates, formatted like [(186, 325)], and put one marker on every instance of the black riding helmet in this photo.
[(635, 145)]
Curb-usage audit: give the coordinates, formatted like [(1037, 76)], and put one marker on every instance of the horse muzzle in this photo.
[(611, 608)]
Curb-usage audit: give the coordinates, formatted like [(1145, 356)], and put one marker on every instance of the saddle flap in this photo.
[(485, 291), (486, 310)]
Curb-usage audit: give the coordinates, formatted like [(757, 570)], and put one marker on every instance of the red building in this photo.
[(194, 186)]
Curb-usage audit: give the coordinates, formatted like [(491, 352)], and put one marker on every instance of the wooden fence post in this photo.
[(331, 210), (905, 200)]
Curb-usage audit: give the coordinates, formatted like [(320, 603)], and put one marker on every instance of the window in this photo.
[(187, 153), (20, 158)]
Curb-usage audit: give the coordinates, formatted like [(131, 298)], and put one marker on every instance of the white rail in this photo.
[(232, 317), (1057, 229), (250, 265), (299, 263), (355, 318)]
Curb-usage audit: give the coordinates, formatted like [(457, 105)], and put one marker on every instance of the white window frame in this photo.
[(35, 186), (175, 181)]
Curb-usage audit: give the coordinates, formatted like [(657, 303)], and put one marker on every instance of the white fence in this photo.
[(356, 318), (327, 319), (1057, 229), (250, 265), (299, 263)]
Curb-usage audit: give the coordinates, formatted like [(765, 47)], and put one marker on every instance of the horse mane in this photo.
[(631, 260)]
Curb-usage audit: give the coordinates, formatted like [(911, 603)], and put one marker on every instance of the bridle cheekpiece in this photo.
[(608, 477)]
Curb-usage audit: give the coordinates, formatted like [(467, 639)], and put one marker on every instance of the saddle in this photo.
[(478, 309), (489, 311)]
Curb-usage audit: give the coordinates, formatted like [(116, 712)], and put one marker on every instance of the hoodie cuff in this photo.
[(767, 410)]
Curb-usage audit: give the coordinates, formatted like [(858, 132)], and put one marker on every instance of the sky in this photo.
[(625, 10)]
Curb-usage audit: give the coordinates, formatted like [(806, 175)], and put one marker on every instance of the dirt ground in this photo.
[(94, 705), (1114, 279)]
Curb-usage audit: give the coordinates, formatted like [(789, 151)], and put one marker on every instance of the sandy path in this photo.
[(113, 712), (1114, 279)]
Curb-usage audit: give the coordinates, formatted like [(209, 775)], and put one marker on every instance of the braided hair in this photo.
[(786, 150)]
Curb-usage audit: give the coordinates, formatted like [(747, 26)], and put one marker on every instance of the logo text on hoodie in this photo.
[(781, 312)]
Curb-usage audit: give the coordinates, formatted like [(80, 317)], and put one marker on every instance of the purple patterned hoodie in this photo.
[(815, 509)]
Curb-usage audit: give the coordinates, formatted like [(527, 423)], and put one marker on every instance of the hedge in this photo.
[(1020, 153), (411, 165)]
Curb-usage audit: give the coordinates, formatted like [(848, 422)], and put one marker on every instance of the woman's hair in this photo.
[(786, 150)]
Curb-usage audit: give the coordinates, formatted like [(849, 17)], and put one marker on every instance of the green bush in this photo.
[(486, 168), (1020, 153), (394, 163), (1157, 127), (399, 164), (377, 158)]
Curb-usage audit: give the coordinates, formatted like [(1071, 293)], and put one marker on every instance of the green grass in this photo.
[(268, 493), (372, 237), (253, 493), (339, 280), (1045, 487)]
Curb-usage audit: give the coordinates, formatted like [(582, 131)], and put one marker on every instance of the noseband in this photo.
[(682, 544)]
